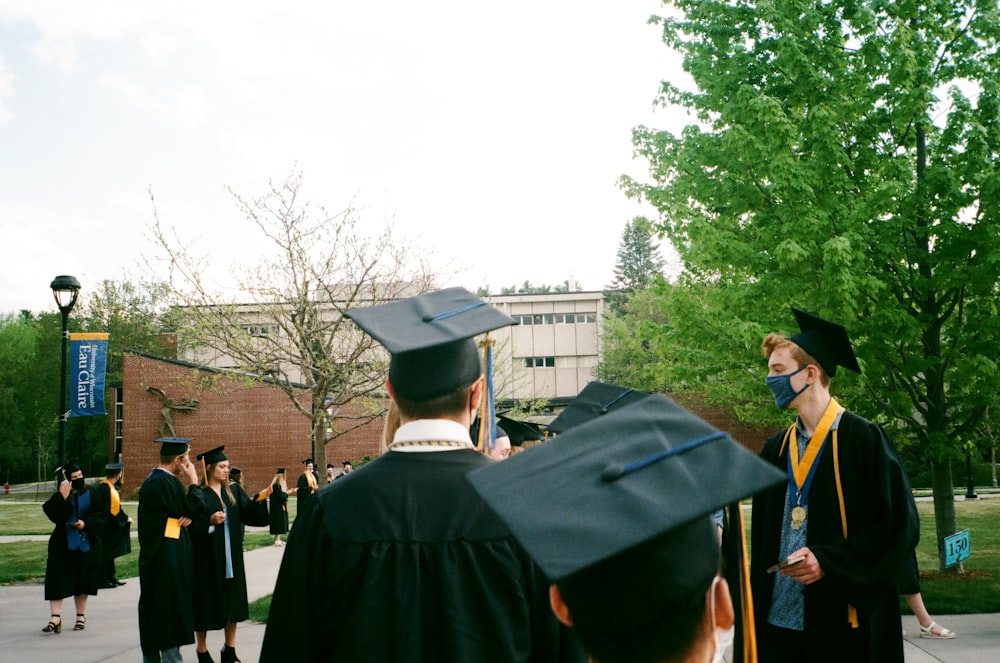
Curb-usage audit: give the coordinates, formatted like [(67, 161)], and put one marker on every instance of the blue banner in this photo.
[(88, 360)]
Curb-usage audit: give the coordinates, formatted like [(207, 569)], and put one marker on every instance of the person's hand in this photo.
[(807, 571), (188, 475), (130, 520), (79, 525), (267, 491), (64, 488), (183, 521), (217, 518)]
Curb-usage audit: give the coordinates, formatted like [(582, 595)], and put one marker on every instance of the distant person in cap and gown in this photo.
[(169, 501), (423, 570), (278, 507), (846, 509), (617, 512), (346, 468), (220, 596), (117, 538), (306, 486), (73, 567), (330, 476)]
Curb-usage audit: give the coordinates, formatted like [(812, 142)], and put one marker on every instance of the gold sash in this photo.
[(116, 504)]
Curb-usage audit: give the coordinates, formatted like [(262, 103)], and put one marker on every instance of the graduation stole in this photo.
[(811, 456), (310, 479), (116, 504)]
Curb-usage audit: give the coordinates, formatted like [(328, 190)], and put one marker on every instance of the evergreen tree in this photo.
[(639, 263)]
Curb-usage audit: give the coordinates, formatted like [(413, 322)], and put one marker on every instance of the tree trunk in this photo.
[(944, 509)]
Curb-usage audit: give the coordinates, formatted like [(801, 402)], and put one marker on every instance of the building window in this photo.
[(260, 330), (539, 362)]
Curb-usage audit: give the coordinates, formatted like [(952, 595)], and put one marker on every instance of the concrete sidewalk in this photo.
[(112, 634)]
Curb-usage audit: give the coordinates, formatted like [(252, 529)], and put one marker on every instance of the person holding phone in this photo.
[(828, 544)]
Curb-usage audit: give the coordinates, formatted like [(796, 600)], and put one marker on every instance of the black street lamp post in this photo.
[(65, 289)]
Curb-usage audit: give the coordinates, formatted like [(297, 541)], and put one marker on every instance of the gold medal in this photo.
[(798, 517)]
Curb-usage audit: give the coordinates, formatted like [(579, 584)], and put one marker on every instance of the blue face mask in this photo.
[(781, 388)]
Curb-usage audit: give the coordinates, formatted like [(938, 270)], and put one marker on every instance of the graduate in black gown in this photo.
[(117, 538), (220, 583), (846, 509), (306, 486), (401, 560), (73, 567), (617, 512), (169, 501), (278, 507)]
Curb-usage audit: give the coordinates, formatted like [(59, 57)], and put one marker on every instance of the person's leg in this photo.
[(55, 618), (928, 627), (81, 612), (229, 650)]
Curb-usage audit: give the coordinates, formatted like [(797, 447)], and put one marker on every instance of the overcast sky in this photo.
[(470, 124)]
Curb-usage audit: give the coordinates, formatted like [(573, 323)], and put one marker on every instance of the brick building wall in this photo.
[(256, 422)]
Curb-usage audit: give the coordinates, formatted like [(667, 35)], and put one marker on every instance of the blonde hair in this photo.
[(774, 342), (279, 479)]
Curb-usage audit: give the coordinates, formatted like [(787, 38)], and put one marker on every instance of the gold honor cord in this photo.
[(116, 504), (746, 595)]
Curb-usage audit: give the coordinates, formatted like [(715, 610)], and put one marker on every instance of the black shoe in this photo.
[(109, 585), (119, 583)]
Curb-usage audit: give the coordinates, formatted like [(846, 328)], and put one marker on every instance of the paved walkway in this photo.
[(112, 635)]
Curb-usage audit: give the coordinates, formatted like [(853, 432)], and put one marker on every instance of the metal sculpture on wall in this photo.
[(168, 406)]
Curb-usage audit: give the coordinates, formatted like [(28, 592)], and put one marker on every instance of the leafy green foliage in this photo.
[(843, 157)]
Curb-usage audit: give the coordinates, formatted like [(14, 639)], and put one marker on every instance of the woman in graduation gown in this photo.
[(220, 578), (279, 507), (73, 567)]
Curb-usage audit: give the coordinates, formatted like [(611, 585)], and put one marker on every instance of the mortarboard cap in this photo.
[(519, 431), (235, 471), (280, 470), (114, 467), (346, 462), (329, 466), (826, 341), (641, 473), (430, 339), (597, 398), (173, 446), (212, 456), (70, 466)]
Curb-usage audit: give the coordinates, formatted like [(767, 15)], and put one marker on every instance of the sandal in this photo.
[(942, 633), (204, 657), (229, 655), (81, 622), (53, 627)]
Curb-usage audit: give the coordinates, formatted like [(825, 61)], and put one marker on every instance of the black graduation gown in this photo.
[(403, 561), (278, 510), (72, 572), (117, 539), (861, 570), (166, 565), (218, 600), (303, 494)]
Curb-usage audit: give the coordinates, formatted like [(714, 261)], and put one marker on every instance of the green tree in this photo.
[(639, 263), (286, 322), (843, 158)]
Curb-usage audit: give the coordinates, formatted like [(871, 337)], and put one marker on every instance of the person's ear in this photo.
[(724, 616), (559, 607), (476, 393), (388, 388)]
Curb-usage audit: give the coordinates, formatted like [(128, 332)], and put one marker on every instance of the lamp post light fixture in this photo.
[(65, 290)]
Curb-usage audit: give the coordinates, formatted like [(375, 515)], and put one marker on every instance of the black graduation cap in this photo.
[(519, 431), (597, 398), (235, 471), (281, 470), (430, 339), (212, 456), (346, 463), (114, 467), (329, 466), (307, 461), (173, 446), (70, 466), (639, 474), (826, 341)]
